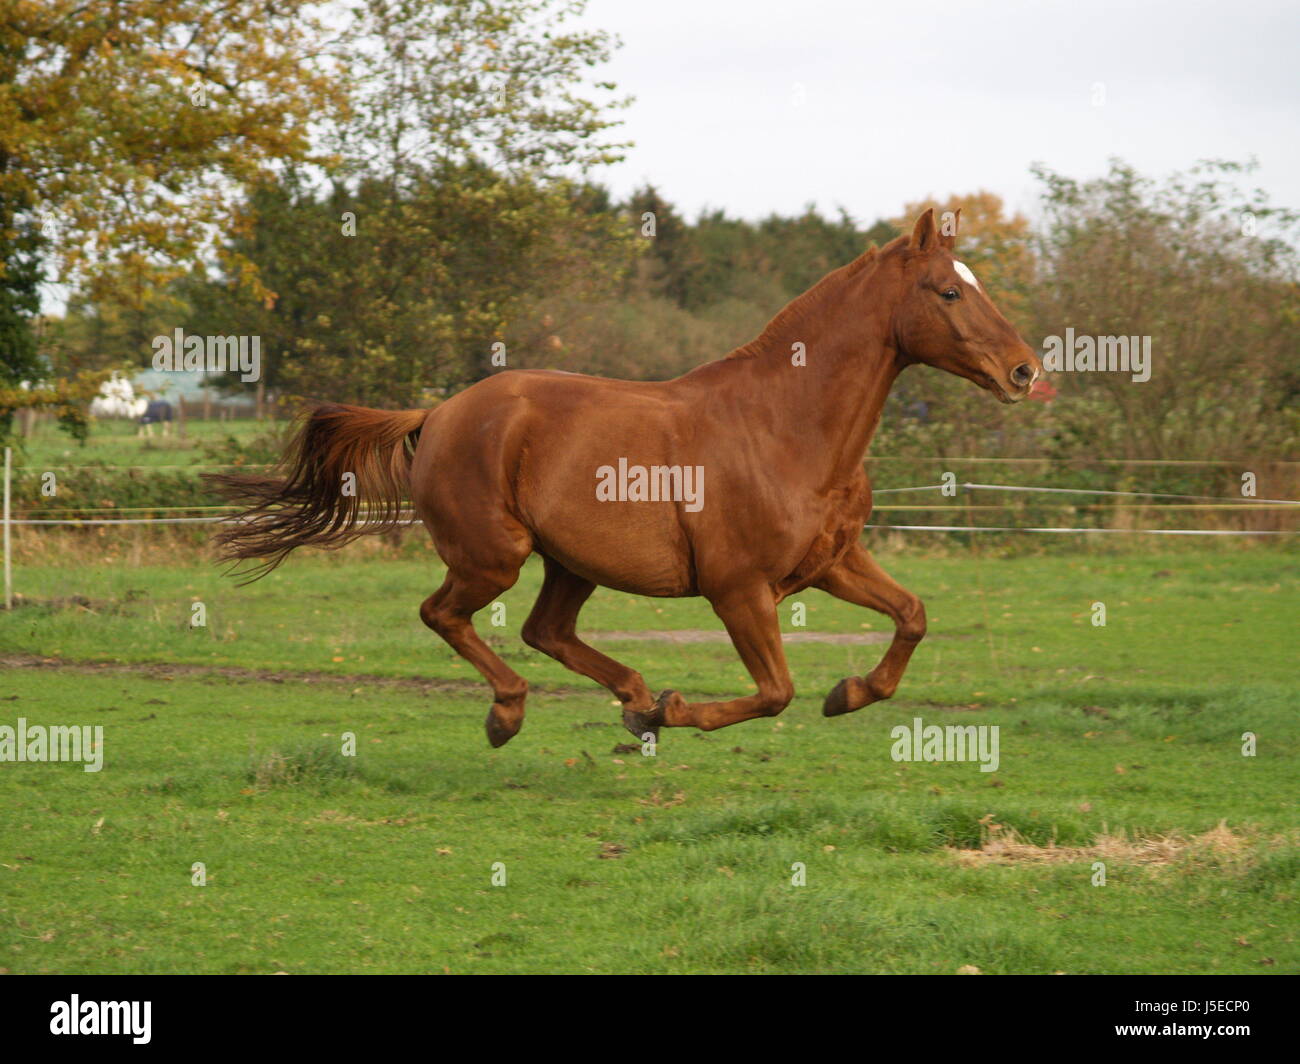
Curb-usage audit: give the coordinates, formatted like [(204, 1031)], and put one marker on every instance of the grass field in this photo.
[(1119, 744), (115, 442)]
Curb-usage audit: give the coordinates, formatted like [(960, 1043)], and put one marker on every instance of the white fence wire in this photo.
[(1245, 503), (1241, 503)]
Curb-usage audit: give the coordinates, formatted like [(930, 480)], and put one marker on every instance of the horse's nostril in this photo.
[(1022, 375)]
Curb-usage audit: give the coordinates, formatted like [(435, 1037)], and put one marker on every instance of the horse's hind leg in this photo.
[(448, 611), (551, 628), (750, 617), (858, 579)]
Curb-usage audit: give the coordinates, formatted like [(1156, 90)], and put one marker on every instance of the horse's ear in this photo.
[(948, 228), (924, 234)]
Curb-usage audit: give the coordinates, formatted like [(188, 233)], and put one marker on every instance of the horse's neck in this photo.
[(830, 392)]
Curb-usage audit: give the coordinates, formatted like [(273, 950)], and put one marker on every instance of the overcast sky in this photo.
[(758, 106)]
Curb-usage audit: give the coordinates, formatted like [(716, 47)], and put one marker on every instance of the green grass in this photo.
[(115, 443), (681, 862)]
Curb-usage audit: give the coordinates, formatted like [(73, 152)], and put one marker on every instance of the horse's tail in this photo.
[(344, 475)]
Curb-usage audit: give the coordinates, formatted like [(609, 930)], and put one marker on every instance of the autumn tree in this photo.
[(129, 129), (1207, 271)]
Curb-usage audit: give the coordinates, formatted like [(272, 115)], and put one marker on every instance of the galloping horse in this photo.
[(777, 431)]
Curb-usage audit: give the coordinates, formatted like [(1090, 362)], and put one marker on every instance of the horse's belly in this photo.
[(626, 549)]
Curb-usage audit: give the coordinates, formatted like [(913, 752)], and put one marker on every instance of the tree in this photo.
[(128, 130), (19, 302), (671, 258), (448, 213), (379, 297), (1208, 274), (133, 126)]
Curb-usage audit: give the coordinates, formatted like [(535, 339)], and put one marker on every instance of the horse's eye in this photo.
[(951, 295)]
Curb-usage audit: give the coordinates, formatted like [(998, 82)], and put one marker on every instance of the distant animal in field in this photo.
[(117, 399), (741, 481), (157, 412)]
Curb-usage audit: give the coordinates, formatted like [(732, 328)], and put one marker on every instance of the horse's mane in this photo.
[(812, 301)]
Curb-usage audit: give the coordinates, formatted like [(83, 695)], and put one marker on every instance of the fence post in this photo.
[(9, 572)]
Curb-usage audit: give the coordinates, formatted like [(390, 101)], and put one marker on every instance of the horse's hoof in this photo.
[(845, 697), (837, 701), (643, 722), (498, 731)]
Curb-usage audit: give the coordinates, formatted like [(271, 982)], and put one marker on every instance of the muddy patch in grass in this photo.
[(159, 670)]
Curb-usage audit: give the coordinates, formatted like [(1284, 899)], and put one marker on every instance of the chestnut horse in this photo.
[(755, 462)]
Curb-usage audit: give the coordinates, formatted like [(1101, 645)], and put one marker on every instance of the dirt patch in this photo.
[(954, 707), (235, 674), (1002, 845)]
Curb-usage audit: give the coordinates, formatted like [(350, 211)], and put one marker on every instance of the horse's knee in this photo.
[(911, 620)]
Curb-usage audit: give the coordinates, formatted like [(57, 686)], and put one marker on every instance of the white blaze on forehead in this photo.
[(963, 271)]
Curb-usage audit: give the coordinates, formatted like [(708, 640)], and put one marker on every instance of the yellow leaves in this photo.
[(104, 131), (64, 394)]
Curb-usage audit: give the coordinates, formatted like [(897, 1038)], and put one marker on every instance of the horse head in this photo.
[(944, 318)]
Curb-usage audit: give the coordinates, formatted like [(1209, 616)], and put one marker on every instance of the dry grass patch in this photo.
[(1220, 846)]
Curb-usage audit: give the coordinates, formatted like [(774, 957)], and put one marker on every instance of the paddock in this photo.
[(300, 784)]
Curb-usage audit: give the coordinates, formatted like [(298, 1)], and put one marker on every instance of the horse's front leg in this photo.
[(751, 621), (858, 579)]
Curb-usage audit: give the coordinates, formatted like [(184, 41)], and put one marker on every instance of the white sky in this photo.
[(757, 106)]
